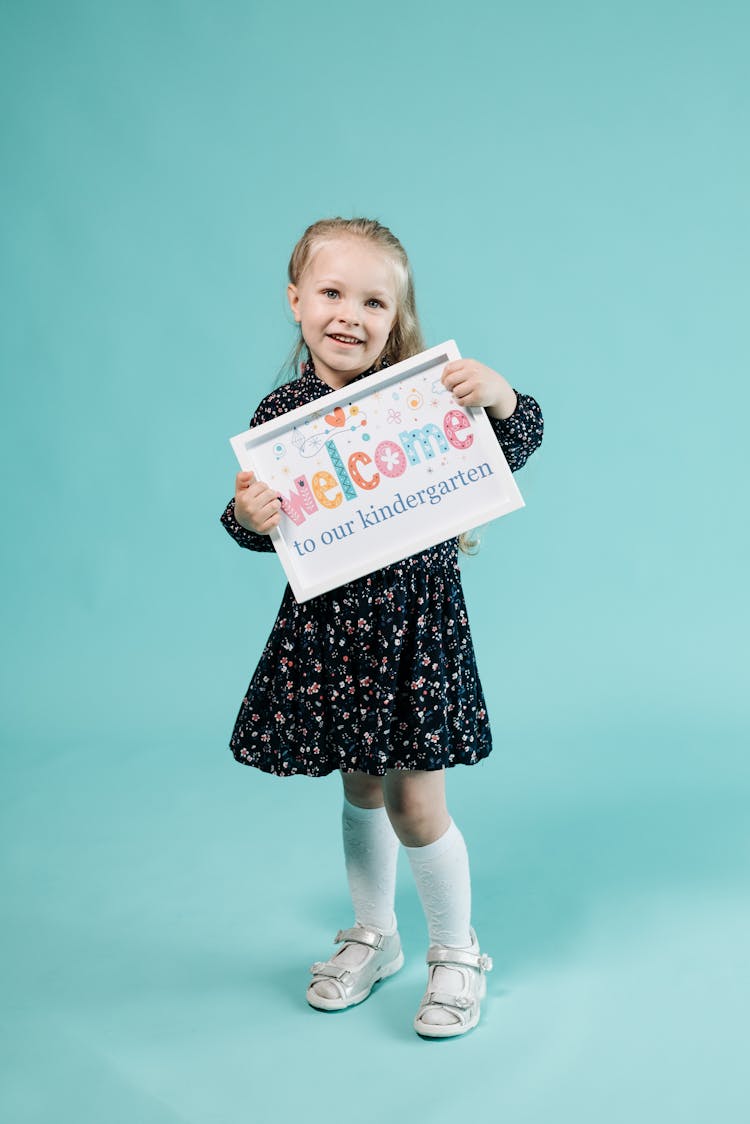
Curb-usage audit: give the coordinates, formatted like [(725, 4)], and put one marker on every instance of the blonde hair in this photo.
[(405, 338)]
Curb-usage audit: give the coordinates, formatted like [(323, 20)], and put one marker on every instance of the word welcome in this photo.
[(432, 494), (390, 460)]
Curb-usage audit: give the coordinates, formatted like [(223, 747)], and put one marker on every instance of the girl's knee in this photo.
[(363, 790), (413, 792), (416, 806)]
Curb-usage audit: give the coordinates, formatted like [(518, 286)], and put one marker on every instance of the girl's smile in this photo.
[(346, 305), (347, 341)]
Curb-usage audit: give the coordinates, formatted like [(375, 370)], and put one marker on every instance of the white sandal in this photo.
[(354, 983), (463, 1004)]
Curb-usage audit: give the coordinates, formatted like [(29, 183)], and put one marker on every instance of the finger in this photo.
[(259, 504), (462, 389), (269, 524), (262, 521), (244, 478), (453, 379), (463, 364), (256, 487), (252, 493), (451, 371), (265, 508)]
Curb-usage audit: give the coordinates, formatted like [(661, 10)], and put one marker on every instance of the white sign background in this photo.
[(376, 471)]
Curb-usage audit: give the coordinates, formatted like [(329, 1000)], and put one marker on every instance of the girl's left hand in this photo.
[(473, 384)]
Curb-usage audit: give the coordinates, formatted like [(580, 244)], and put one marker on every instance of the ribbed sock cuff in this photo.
[(356, 813), (434, 850)]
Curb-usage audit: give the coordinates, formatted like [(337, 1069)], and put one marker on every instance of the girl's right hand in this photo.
[(256, 506)]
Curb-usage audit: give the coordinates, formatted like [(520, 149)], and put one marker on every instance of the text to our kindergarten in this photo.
[(399, 505)]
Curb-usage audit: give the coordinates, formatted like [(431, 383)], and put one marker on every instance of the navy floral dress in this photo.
[(377, 674)]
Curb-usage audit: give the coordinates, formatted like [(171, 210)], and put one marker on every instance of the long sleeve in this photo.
[(520, 434), (249, 539)]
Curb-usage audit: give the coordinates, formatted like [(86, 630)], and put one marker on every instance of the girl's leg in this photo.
[(363, 790), (440, 864), (370, 855), (370, 851), (436, 851)]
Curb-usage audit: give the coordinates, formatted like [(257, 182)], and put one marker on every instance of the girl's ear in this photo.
[(293, 298)]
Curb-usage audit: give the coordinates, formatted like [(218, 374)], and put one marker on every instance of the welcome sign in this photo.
[(376, 471)]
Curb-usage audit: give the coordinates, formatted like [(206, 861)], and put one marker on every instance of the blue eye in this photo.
[(330, 292), (376, 302)]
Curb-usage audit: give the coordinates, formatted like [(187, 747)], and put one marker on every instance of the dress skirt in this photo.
[(377, 674)]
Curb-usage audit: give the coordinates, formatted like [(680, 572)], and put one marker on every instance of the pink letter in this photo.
[(390, 458), (454, 421), (299, 501)]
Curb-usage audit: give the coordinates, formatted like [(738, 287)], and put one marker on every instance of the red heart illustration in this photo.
[(338, 417)]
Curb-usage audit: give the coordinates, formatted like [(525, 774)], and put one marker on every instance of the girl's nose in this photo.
[(348, 312)]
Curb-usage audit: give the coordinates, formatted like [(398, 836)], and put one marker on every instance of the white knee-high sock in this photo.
[(441, 872), (370, 853)]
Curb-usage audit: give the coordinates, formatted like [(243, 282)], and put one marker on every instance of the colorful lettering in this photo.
[(299, 502), (390, 459), (362, 458), (453, 422), (346, 485), (322, 482), (410, 437)]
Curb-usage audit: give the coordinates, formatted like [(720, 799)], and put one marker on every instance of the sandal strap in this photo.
[(372, 938), (330, 970), (437, 954), (445, 999), (359, 934)]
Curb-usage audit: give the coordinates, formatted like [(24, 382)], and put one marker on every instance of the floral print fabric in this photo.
[(377, 674)]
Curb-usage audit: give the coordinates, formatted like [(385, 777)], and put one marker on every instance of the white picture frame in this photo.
[(377, 471)]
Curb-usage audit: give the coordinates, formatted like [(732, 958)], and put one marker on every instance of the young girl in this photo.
[(377, 678)]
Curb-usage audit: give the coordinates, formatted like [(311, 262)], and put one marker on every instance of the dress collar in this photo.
[(308, 373)]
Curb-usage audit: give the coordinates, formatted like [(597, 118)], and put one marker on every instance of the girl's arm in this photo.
[(253, 511), (521, 433), (251, 540), (515, 418)]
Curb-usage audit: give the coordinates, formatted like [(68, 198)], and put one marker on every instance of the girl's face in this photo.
[(345, 304)]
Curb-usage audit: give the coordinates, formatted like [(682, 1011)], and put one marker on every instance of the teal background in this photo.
[(571, 182)]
